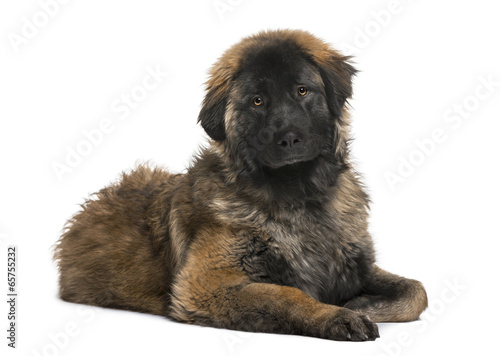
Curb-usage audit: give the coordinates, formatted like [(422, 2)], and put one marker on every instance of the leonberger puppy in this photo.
[(267, 229)]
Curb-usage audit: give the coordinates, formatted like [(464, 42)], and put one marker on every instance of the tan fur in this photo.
[(208, 247)]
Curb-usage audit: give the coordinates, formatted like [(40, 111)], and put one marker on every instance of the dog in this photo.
[(267, 230)]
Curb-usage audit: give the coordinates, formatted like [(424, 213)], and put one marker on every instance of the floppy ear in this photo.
[(218, 87), (337, 74), (213, 111)]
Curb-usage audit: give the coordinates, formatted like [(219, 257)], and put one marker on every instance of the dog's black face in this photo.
[(280, 107), (277, 107)]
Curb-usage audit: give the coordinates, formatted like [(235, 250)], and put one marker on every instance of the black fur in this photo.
[(267, 230)]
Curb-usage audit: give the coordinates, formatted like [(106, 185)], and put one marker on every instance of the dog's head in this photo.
[(277, 99)]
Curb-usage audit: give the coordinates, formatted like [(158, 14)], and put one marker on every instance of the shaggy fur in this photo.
[(267, 230)]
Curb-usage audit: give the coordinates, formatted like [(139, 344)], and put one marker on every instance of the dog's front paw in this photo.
[(347, 325)]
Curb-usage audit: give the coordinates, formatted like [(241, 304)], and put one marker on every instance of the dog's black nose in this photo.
[(290, 139)]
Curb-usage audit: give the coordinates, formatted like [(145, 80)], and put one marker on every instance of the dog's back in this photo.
[(107, 255)]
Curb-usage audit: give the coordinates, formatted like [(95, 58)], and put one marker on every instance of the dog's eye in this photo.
[(257, 101), (302, 91)]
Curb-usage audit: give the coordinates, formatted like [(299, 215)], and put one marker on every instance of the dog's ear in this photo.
[(337, 74), (214, 105), (212, 114)]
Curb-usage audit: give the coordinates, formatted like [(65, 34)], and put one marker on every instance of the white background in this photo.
[(423, 65)]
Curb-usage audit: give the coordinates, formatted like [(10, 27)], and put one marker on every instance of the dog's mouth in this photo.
[(289, 172), (289, 161), (280, 159)]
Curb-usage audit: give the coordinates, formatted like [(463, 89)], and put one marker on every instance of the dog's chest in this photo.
[(315, 258)]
